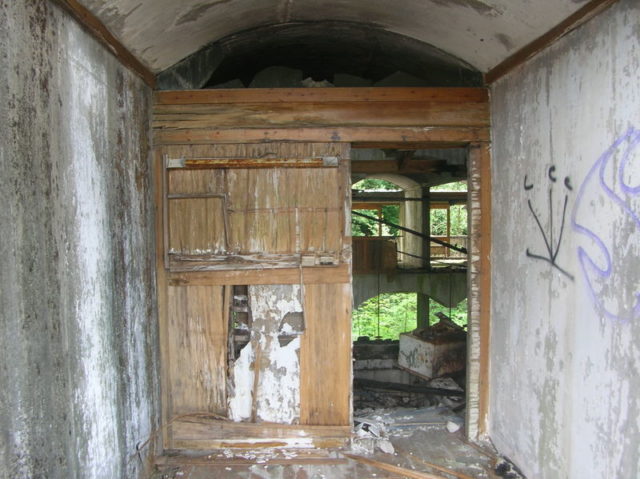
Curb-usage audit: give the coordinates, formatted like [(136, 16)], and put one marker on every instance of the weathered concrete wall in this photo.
[(78, 383), (565, 342)]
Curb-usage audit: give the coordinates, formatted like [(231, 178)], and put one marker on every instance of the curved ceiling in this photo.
[(482, 33)]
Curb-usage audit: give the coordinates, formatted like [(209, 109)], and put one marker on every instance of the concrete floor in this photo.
[(418, 437)]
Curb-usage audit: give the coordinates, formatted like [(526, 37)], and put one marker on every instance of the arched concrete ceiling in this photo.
[(480, 32)]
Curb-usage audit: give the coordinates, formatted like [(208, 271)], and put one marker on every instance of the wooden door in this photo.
[(254, 260)]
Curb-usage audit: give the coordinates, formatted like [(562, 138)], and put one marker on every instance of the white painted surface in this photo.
[(565, 353), (480, 32), (276, 392)]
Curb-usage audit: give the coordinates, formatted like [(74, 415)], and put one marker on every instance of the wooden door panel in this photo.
[(197, 350)]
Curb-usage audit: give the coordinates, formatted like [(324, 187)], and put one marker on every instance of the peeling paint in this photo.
[(274, 394)]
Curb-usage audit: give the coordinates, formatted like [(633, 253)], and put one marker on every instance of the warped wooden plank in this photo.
[(325, 355), (272, 95), (435, 136)]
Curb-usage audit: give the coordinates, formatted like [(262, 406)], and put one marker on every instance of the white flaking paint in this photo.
[(277, 394)]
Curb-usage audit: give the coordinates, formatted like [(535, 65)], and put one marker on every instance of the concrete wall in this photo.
[(78, 387), (565, 341)]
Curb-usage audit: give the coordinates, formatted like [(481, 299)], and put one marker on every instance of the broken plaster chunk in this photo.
[(385, 446), (452, 426)]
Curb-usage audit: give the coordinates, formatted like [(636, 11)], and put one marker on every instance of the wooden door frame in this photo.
[(363, 117)]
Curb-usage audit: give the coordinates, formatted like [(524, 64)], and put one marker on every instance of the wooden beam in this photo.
[(101, 33), (251, 163), (479, 291), (435, 136), (311, 95), (311, 275), (302, 114), (578, 18)]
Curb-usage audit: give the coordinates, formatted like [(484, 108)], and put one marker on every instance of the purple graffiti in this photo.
[(603, 267)]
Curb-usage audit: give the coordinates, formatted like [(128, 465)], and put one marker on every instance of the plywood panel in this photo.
[(197, 350), (325, 355)]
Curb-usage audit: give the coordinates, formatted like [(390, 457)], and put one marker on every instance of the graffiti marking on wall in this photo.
[(552, 244), (607, 209)]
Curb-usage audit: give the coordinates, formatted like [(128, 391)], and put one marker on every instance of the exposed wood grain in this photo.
[(312, 275), (161, 281), (325, 355), (485, 284), (479, 290), (392, 468), (435, 136), (247, 115), (197, 349), (101, 33), (205, 433), (197, 224), (285, 95), (239, 218), (573, 21)]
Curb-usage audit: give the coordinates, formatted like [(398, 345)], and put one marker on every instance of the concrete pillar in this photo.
[(422, 310)]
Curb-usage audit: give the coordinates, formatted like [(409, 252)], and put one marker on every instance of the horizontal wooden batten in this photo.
[(436, 137), (294, 95), (346, 113), (250, 163), (311, 275), (204, 433)]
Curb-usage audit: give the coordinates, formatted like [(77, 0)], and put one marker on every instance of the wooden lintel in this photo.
[(251, 163), (294, 95), (307, 275), (435, 136), (578, 18), (101, 33)]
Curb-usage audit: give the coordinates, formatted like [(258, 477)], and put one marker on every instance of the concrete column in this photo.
[(422, 310)]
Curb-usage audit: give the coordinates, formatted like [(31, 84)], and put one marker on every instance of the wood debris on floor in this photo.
[(387, 443)]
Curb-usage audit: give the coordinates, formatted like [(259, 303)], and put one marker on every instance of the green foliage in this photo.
[(374, 184), (458, 221), (455, 186), (398, 312), (458, 314), (368, 227), (397, 315)]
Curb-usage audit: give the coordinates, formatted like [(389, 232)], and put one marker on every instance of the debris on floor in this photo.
[(387, 443)]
